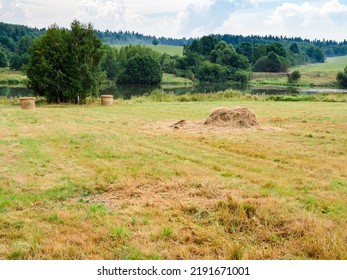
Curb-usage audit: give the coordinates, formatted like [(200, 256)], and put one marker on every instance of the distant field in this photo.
[(312, 75), (332, 64), (89, 182), (172, 50)]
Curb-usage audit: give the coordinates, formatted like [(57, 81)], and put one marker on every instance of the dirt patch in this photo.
[(179, 124), (233, 118), (163, 194), (222, 120)]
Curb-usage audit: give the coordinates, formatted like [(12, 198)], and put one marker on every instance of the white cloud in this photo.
[(105, 14), (310, 19), (13, 11)]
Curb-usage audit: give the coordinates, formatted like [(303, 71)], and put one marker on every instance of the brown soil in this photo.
[(179, 124), (233, 118)]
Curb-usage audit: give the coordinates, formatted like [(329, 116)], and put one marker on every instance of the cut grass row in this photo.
[(89, 182)]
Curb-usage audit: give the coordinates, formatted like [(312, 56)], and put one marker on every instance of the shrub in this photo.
[(294, 77), (342, 78)]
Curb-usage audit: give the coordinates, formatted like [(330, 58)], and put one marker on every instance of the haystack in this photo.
[(234, 118)]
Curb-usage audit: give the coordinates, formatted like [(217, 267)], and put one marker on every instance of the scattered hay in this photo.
[(221, 120), (234, 118), (179, 124)]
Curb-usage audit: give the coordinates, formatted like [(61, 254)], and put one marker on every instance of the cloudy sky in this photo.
[(188, 18)]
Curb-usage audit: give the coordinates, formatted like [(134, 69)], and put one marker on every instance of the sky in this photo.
[(188, 18)]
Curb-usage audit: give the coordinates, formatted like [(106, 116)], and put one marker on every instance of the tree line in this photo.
[(15, 41), (69, 65)]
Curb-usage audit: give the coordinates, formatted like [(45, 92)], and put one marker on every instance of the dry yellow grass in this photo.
[(92, 182)]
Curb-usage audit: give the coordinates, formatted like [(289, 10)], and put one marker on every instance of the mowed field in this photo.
[(92, 182)]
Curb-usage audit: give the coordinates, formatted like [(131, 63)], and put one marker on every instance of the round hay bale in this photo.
[(106, 100), (27, 103), (235, 118)]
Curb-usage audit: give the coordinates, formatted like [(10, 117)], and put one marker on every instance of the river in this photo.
[(127, 91)]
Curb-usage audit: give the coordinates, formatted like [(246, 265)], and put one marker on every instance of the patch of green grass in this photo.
[(332, 64)]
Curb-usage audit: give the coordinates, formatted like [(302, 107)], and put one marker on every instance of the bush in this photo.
[(294, 77), (342, 78)]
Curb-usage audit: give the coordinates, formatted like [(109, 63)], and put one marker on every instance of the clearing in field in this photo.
[(92, 182)]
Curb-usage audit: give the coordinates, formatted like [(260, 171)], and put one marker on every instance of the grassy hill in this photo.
[(316, 75)]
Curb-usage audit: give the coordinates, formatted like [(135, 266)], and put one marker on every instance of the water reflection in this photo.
[(11, 92), (128, 91)]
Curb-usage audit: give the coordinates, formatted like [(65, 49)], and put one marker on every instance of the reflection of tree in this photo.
[(11, 92), (128, 91)]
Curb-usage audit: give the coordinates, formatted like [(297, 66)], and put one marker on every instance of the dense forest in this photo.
[(15, 40), (209, 58)]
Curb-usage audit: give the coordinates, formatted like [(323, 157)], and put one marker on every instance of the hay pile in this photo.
[(233, 118)]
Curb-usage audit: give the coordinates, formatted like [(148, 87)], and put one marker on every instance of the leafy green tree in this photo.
[(3, 58), (110, 63), (242, 76), (294, 77), (47, 71), (269, 63), (64, 64), (246, 49), (213, 72), (24, 45), (18, 62), (316, 55), (277, 48), (294, 48), (226, 55), (342, 78), (259, 51), (168, 63), (155, 41), (85, 54), (203, 46), (141, 70)]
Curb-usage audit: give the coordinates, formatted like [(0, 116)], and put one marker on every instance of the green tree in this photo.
[(85, 54), (213, 72), (294, 77), (155, 41), (294, 48), (277, 48), (269, 63), (64, 64), (342, 78), (226, 55), (246, 49), (141, 70), (47, 69), (18, 62), (316, 55), (3, 58), (110, 63)]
